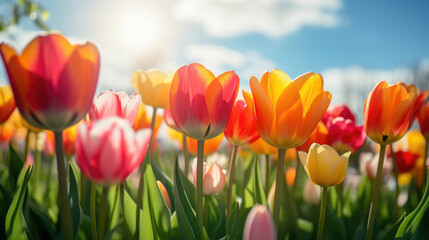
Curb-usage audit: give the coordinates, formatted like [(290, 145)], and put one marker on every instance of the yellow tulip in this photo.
[(324, 165), (153, 86), (287, 111)]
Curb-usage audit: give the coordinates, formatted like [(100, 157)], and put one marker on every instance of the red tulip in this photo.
[(241, 127), (109, 104), (200, 102), (405, 161), (53, 81), (108, 150)]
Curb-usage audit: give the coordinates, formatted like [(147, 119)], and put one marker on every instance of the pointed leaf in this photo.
[(77, 214), (15, 167)]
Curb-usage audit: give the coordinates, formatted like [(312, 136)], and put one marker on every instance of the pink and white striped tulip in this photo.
[(108, 150), (259, 224), (109, 104)]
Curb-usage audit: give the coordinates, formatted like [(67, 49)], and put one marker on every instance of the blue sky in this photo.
[(354, 44)]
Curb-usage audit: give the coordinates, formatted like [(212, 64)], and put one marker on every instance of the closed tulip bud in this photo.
[(311, 193), (153, 86), (52, 80), (110, 104), (388, 112), (213, 178), (200, 102), (108, 150), (287, 111), (259, 224), (164, 193), (7, 103), (324, 166)]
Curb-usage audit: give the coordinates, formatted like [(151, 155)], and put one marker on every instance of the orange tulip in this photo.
[(143, 120), (388, 112), (7, 103), (241, 127), (210, 146), (319, 135), (287, 111), (423, 113), (261, 147), (200, 102), (52, 80), (69, 138)]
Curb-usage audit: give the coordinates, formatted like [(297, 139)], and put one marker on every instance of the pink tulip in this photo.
[(200, 102), (368, 165), (169, 120), (259, 224), (108, 150), (109, 104), (213, 178), (339, 111)]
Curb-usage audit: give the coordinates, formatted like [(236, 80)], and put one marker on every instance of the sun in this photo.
[(138, 31)]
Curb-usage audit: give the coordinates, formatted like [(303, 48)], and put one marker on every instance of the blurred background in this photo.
[(353, 44)]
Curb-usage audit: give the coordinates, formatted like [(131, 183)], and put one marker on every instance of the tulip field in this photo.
[(276, 162)]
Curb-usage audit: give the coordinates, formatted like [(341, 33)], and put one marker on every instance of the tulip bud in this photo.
[(213, 178), (164, 194), (324, 166), (259, 224)]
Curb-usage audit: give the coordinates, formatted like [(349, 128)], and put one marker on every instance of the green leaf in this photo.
[(16, 227), (305, 229), (77, 214), (232, 222), (216, 222), (130, 212), (113, 197), (334, 227), (185, 214), (15, 166), (390, 234), (156, 215), (253, 194), (410, 224), (174, 230), (40, 224)]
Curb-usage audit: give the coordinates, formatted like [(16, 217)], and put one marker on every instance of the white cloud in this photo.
[(225, 18)]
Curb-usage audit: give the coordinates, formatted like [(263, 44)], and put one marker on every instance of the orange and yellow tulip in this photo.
[(261, 147), (52, 80), (7, 103), (388, 112), (153, 86), (287, 111), (143, 120), (201, 103)]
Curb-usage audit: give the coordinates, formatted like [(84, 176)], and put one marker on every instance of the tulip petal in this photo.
[(263, 108)]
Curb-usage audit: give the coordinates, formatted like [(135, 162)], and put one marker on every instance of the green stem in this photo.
[(63, 187), (231, 179), (93, 216), (340, 189), (141, 183), (374, 200), (424, 164), (27, 140), (82, 191), (322, 213), (115, 203), (48, 178), (279, 186), (185, 154), (206, 209), (298, 169), (396, 173), (199, 192), (37, 164), (267, 173), (102, 217)]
